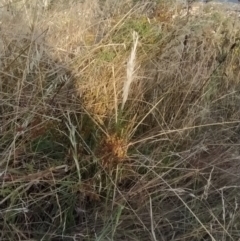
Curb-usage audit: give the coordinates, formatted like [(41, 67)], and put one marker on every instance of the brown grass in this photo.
[(107, 137)]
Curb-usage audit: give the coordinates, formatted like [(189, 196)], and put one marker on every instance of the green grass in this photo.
[(118, 121)]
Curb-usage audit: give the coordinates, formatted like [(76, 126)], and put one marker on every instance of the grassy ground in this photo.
[(119, 120)]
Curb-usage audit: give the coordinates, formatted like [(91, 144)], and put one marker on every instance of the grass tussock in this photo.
[(118, 121)]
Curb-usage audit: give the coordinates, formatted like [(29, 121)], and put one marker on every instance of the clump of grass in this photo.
[(110, 135)]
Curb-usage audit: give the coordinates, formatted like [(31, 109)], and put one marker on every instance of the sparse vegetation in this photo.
[(118, 121)]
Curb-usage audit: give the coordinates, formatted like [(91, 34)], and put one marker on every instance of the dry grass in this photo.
[(118, 122)]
